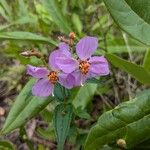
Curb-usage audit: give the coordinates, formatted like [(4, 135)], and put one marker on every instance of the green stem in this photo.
[(60, 146)]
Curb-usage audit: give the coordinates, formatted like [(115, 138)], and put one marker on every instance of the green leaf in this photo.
[(62, 120), (56, 14), (28, 36), (77, 23), (25, 107), (7, 8), (94, 80), (60, 92), (3, 14), (46, 115), (6, 145), (82, 96), (82, 113), (146, 63), (138, 72), (22, 10), (48, 133), (129, 121), (132, 16), (117, 45)]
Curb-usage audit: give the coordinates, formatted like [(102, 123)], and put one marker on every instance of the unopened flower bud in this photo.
[(121, 143), (32, 53), (72, 35)]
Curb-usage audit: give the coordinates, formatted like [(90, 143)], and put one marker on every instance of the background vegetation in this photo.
[(92, 119)]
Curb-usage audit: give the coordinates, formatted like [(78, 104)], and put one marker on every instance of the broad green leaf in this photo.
[(129, 121), (21, 35), (21, 100), (82, 96), (132, 16), (138, 72), (25, 107), (140, 8), (146, 63), (62, 120), (56, 14), (6, 145)]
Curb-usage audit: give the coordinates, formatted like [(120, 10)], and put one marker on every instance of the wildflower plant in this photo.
[(70, 65), (68, 84), (47, 78), (66, 70)]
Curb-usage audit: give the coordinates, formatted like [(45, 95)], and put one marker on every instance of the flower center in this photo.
[(84, 67), (53, 77)]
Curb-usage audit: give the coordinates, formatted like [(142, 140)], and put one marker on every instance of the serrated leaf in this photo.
[(132, 16), (60, 92), (129, 121), (28, 36), (56, 14), (6, 145), (136, 71), (24, 108), (62, 120)]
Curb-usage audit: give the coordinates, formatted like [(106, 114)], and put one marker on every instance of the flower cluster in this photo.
[(69, 71)]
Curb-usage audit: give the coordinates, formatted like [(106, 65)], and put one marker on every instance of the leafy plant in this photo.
[(126, 121), (67, 96)]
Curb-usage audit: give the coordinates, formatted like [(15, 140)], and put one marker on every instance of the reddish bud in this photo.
[(72, 35)]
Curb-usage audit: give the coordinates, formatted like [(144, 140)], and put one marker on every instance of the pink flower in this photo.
[(85, 66), (47, 78)]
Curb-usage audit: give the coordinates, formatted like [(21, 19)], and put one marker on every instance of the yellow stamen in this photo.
[(84, 67), (53, 77)]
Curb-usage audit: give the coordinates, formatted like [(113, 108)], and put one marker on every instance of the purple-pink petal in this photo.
[(86, 46), (79, 78), (66, 64), (52, 59), (37, 72), (42, 88), (98, 66), (62, 51), (64, 48), (67, 80)]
